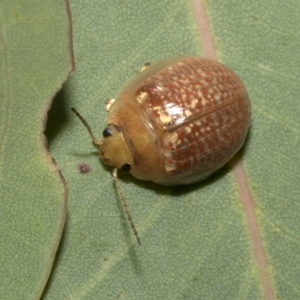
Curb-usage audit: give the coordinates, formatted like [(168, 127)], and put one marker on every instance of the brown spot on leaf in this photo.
[(84, 168)]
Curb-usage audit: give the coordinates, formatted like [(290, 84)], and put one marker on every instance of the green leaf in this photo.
[(234, 236), (35, 60)]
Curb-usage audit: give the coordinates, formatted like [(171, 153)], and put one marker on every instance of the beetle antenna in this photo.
[(115, 177), (84, 122), (125, 205)]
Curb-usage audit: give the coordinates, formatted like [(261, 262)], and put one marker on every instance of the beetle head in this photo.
[(113, 149)]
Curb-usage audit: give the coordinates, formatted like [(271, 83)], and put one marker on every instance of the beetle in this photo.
[(176, 122)]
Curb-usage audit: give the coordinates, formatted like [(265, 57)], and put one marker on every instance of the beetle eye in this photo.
[(107, 132), (126, 168)]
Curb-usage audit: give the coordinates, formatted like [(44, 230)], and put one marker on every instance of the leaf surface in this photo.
[(198, 241), (35, 60)]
